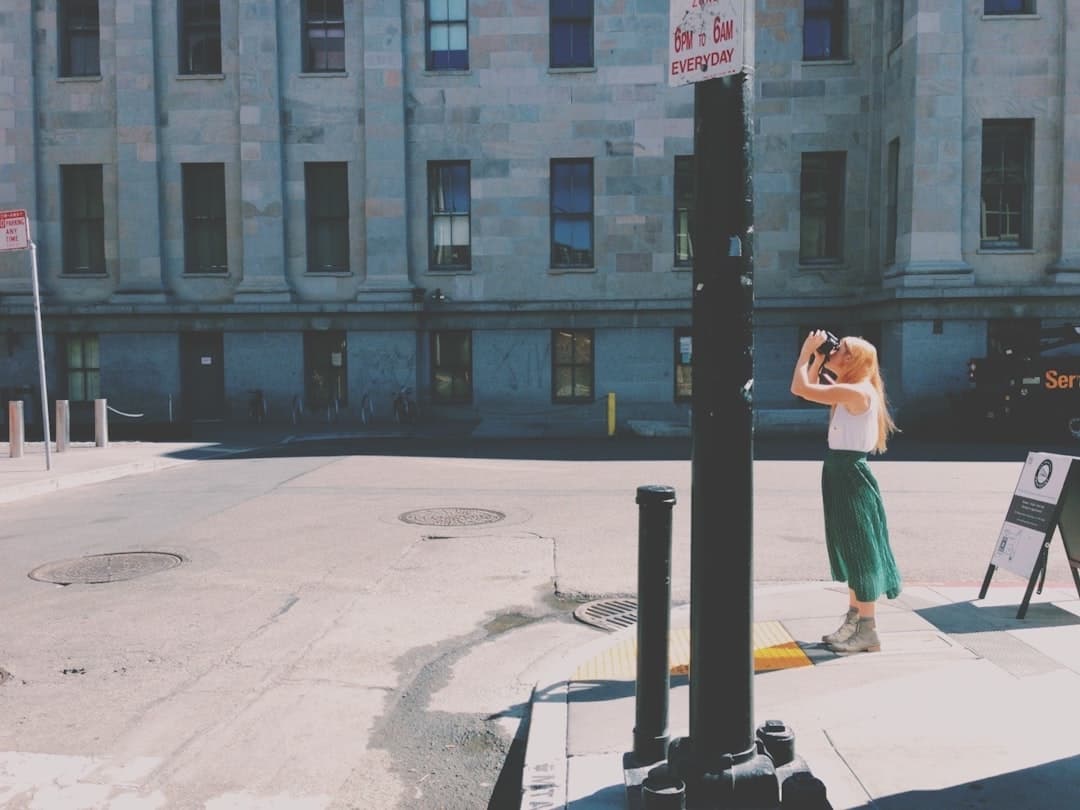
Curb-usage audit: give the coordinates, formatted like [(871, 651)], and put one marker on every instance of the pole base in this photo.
[(751, 780)]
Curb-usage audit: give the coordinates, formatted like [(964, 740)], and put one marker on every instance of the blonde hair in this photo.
[(863, 365)]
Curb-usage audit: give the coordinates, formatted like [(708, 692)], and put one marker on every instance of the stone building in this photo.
[(489, 202)]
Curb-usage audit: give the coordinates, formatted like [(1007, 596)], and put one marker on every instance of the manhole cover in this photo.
[(99, 568), (451, 516), (608, 614)]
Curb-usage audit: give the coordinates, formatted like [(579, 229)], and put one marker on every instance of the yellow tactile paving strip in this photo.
[(774, 648)]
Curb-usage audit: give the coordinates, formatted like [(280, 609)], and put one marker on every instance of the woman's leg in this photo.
[(866, 609), (865, 637)]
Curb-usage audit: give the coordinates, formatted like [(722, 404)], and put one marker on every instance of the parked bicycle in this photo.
[(258, 410), (367, 408), (404, 406)]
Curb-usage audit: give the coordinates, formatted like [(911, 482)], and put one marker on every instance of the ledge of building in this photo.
[(767, 422)]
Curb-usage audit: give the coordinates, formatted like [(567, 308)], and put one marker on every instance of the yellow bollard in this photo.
[(611, 414)]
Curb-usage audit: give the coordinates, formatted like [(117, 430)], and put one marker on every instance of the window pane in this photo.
[(440, 38), (457, 9), (460, 231), (1009, 7), (583, 349), (564, 347), (564, 382), (459, 37), (821, 206), (439, 10), (90, 353)]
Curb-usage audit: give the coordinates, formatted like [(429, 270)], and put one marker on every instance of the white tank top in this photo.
[(848, 431)]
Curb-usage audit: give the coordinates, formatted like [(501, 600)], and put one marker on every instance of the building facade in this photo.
[(491, 203)]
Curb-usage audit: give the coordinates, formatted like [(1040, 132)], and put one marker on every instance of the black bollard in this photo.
[(653, 623)]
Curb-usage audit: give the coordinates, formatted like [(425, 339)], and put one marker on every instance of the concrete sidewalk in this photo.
[(965, 706)]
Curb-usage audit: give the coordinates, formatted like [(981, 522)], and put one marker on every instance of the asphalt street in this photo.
[(358, 624)]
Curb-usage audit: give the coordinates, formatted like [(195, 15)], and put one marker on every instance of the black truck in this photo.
[(1027, 388)]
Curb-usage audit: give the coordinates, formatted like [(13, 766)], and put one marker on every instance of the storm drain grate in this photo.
[(101, 568), (451, 516), (608, 614)]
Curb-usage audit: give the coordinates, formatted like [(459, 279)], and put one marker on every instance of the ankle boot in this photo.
[(864, 639), (845, 630)]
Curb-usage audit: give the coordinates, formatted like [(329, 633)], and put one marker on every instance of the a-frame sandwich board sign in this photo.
[(1046, 497)]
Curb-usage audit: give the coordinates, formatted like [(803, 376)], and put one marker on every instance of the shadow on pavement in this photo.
[(1050, 786), (968, 617)]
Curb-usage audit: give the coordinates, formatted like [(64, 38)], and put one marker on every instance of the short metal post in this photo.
[(101, 423), (63, 425), (16, 428), (654, 623)]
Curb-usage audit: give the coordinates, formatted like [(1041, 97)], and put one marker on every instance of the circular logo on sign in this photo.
[(1042, 473)]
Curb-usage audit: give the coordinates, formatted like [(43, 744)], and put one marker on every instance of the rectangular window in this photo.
[(203, 189), (994, 8), (824, 29), (449, 201), (1006, 184), (79, 38), (83, 219), (572, 212), (200, 37), (326, 188), (896, 24), (892, 189), (324, 36), (451, 367), (821, 207), (572, 365), (571, 33), (684, 364), (685, 196), (82, 370), (448, 35)]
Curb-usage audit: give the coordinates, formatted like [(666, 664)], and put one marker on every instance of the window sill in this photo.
[(84, 274), (324, 74), (1005, 251), (582, 69), (331, 273), (682, 268), (187, 77), (206, 274), (823, 62), (559, 271), (449, 271), (448, 72), (66, 79), (1011, 17)]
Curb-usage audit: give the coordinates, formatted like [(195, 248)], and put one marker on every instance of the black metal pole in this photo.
[(721, 652), (653, 623)]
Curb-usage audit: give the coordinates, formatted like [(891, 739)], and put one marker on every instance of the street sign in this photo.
[(705, 40), (14, 230)]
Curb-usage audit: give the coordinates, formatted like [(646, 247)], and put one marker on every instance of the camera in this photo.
[(831, 344)]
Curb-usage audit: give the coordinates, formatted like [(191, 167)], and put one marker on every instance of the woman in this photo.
[(856, 531)]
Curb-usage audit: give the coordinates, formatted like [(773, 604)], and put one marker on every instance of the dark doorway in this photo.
[(325, 376), (202, 376)]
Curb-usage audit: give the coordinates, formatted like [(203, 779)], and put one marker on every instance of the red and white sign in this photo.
[(706, 40), (14, 230)]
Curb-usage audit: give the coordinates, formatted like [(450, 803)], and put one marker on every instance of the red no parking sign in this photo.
[(14, 230)]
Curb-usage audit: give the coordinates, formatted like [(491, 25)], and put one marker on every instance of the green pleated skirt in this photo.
[(856, 531)]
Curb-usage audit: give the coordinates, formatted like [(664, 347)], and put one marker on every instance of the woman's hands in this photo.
[(809, 352), (805, 379)]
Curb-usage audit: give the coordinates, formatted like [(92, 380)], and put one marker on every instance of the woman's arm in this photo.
[(805, 379)]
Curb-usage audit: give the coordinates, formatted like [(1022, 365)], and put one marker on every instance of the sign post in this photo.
[(15, 235), (723, 762)]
